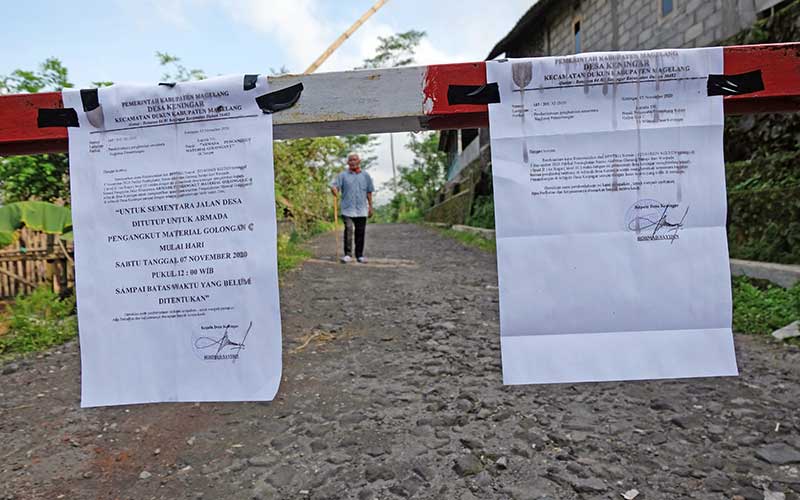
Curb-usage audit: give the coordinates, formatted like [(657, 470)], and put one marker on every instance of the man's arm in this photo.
[(370, 189), (334, 185)]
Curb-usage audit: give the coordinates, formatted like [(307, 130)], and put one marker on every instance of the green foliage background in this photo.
[(37, 215), (36, 177), (761, 308), (764, 208), (37, 321), (42, 177), (482, 212), (303, 168), (763, 164), (418, 183)]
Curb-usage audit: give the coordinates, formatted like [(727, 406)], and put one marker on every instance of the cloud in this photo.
[(297, 25), (304, 31), (478, 30), (174, 13), (361, 45), (428, 53)]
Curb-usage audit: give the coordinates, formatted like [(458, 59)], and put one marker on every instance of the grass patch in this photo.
[(319, 227), (413, 215), (472, 240), (38, 321), (290, 252), (760, 307)]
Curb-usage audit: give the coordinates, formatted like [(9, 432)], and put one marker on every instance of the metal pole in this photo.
[(394, 172)]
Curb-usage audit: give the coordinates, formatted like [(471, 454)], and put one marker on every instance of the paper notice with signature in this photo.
[(175, 242), (610, 211)]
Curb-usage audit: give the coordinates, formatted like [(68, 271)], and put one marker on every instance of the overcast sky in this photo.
[(116, 40)]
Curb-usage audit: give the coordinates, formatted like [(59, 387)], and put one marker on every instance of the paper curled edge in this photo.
[(68, 117)]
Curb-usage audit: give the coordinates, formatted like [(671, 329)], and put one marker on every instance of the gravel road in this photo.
[(392, 389)]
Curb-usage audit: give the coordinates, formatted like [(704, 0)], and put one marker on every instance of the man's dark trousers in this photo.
[(359, 226)]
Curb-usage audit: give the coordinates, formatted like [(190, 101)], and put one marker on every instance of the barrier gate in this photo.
[(410, 99)]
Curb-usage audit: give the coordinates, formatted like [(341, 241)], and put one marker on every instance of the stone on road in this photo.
[(779, 454)]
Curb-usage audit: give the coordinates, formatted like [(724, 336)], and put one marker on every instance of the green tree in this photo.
[(303, 168), (398, 208), (395, 50), (363, 144), (422, 180), (178, 72), (42, 177), (51, 75), (36, 177)]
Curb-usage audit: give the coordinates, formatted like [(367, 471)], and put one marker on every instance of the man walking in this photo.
[(356, 188)]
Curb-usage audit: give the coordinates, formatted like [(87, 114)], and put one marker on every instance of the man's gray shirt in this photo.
[(353, 188)]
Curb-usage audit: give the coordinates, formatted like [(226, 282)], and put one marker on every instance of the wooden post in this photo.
[(344, 36), (50, 266)]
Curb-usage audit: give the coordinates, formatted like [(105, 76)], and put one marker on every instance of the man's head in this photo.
[(354, 162)]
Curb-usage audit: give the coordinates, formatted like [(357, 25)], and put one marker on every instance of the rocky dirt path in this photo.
[(392, 389)]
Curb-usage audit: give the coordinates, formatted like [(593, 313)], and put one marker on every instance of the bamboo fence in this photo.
[(36, 259)]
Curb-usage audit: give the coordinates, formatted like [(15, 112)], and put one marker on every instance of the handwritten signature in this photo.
[(660, 222), (222, 343)]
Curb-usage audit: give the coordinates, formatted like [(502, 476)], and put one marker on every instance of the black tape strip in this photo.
[(250, 82), (167, 84), (473, 94), (278, 100), (89, 99), (59, 117), (745, 83)]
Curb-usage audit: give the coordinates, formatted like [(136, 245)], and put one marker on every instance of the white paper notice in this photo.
[(175, 243), (610, 209)]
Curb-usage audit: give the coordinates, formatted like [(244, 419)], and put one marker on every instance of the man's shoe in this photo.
[(362, 260), (345, 259)]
